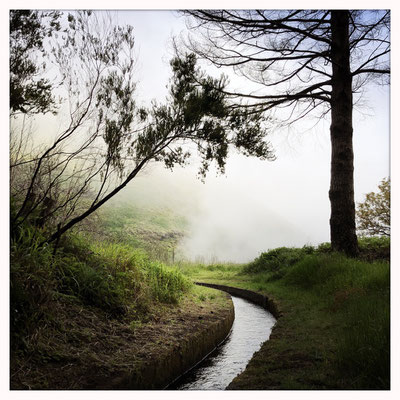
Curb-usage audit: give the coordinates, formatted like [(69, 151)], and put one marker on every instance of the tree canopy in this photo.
[(373, 214), (108, 139), (302, 62), (29, 92)]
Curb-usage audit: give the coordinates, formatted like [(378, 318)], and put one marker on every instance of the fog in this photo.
[(257, 205)]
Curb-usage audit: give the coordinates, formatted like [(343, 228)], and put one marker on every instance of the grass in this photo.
[(115, 278), (83, 348), (155, 230), (334, 332)]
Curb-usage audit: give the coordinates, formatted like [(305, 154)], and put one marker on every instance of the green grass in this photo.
[(155, 230), (116, 278), (334, 332), (335, 329)]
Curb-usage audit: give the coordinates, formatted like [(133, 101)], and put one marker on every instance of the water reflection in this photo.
[(252, 327)]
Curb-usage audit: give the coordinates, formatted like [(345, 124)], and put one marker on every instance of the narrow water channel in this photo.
[(252, 327)]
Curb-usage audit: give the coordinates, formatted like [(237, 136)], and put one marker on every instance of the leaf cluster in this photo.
[(30, 94), (373, 215), (199, 112)]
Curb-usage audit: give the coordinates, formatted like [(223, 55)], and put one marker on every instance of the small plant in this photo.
[(135, 324), (202, 297)]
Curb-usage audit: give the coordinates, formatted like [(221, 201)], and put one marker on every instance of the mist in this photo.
[(256, 205)]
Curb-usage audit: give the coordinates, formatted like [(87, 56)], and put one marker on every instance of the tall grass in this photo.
[(167, 284), (32, 280), (115, 278)]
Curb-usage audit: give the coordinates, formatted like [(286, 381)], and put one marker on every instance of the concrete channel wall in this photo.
[(158, 373), (254, 297)]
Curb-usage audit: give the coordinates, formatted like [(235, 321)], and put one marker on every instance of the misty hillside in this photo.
[(154, 229)]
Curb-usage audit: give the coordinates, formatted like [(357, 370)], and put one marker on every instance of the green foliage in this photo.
[(167, 284), (277, 261), (28, 29), (115, 278), (124, 278), (373, 215), (93, 287), (198, 111), (32, 279), (374, 248)]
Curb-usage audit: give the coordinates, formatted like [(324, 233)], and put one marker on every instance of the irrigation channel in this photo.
[(251, 327)]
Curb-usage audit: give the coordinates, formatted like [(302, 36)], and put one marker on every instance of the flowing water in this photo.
[(252, 327)]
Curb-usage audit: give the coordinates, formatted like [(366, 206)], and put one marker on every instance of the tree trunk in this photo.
[(341, 193)]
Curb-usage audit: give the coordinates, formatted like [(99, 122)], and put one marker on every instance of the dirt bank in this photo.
[(84, 349)]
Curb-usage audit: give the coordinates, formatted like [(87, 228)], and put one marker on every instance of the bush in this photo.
[(277, 260), (374, 248)]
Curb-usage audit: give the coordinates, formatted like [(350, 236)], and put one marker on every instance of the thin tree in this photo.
[(304, 62), (107, 139)]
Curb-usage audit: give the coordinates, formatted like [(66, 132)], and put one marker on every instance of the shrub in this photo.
[(374, 248), (277, 260)]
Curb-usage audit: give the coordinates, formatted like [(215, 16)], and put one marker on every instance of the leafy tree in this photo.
[(29, 93), (305, 62), (108, 139), (373, 215)]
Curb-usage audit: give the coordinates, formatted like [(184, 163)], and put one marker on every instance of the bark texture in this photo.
[(341, 193)]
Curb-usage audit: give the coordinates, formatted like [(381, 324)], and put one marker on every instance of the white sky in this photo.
[(294, 187), (259, 205)]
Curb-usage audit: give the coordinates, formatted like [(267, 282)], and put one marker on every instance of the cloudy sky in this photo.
[(256, 205)]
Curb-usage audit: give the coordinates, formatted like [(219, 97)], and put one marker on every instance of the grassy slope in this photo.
[(155, 229), (335, 323), (95, 310), (81, 347), (317, 343)]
